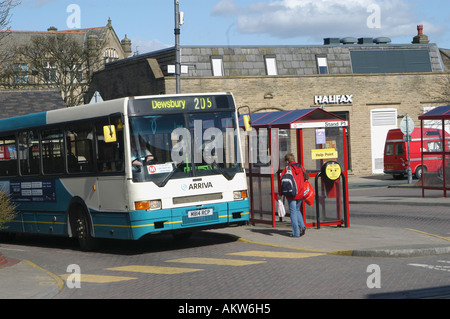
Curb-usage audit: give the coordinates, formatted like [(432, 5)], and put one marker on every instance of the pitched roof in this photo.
[(445, 53), (21, 102), (11, 38)]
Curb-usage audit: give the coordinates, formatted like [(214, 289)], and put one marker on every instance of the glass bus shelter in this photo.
[(435, 145), (316, 138)]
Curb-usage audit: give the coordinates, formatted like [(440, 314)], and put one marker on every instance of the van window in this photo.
[(399, 149), (434, 146), (389, 149)]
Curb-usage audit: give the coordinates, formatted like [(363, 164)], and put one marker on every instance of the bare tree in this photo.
[(5, 11), (60, 60), (5, 18)]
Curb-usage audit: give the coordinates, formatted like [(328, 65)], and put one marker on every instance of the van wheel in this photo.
[(81, 229), (419, 172)]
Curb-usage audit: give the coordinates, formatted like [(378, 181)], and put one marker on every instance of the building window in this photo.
[(49, 71), (20, 73), (110, 55), (271, 65), (322, 64), (217, 65), (77, 73)]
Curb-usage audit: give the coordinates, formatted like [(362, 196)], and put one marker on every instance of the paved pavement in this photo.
[(30, 281)]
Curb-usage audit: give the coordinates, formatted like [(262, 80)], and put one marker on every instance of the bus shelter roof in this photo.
[(438, 113), (304, 118)]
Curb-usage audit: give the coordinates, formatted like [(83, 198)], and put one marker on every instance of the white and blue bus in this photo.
[(126, 168)]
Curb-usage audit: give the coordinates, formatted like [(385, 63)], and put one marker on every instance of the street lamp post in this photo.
[(177, 46)]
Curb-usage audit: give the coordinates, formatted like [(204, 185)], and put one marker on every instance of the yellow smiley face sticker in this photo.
[(333, 171)]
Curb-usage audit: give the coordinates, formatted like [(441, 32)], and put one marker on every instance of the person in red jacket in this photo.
[(298, 225)]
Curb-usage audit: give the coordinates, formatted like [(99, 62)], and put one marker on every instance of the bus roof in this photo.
[(63, 115), (81, 112)]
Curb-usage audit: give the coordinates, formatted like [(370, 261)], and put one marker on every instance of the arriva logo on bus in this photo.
[(191, 186)]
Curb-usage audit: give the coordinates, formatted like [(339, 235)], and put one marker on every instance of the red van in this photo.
[(396, 152)]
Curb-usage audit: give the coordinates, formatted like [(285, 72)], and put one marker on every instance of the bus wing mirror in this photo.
[(109, 132), (246, 118), (247, 123)]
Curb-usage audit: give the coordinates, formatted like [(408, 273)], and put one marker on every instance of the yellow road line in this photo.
[(58, 280), (274, 254), (215, 261), (99, 279), (428, 234), (154, 269), (335, 252)]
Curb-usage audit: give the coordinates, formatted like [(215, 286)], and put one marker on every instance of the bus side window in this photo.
[(52, 151), (110, 156), (79, 148), (29, 158), (8, 156)]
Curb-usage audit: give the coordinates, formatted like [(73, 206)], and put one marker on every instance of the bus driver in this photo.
[(140, 155)]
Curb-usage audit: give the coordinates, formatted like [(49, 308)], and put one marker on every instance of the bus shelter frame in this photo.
[(439, 116), (301, 119)]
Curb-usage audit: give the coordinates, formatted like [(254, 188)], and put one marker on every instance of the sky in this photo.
[(150, 23)]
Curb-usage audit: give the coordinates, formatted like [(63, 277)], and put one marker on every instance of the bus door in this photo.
[(110, 160)]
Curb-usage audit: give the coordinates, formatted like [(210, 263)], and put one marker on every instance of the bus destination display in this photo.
[(181, 104)]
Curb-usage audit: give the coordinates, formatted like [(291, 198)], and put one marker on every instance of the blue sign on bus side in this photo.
[(33, 191)]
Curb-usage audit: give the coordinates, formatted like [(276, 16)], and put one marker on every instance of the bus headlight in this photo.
[(239, 195), (155, 204), (148, 205)]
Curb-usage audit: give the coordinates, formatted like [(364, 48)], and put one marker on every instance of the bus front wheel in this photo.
[(81, 229)]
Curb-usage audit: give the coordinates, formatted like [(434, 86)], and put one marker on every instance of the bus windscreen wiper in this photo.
[(166, 179), (216, 167)]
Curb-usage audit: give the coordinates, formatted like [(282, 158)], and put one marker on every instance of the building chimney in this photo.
[(126, 46), (420, 38), (52, 29)]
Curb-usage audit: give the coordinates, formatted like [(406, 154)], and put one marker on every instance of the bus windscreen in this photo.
[(174, 146)]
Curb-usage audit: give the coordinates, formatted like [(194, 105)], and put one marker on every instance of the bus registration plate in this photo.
[(200, 212)]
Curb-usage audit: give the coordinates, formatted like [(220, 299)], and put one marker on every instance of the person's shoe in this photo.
[(302, 232)]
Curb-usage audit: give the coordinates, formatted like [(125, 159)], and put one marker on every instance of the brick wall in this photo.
[(408, 93)]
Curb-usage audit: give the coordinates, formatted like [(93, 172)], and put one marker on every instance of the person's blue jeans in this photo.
[(296, 217)]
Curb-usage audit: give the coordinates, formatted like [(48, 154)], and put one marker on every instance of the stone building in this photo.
[(18, 72), (366, 81)]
